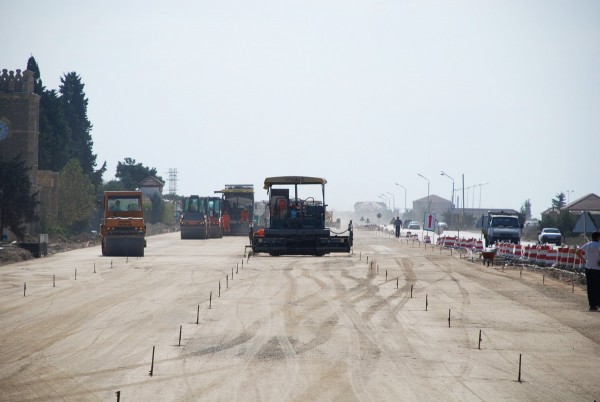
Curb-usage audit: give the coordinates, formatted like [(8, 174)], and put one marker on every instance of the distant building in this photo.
[(437, 205), (151, 187), (589, 203)]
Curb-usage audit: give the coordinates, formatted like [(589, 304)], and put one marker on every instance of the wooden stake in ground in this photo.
[(479, 346), (118, 393), (94, 267), (426, 302), (53, 281), (219, 288), (448, 318), (152, 365), (520, 356), (180, 328), (75, 273), (198, 313), (411, 288), (24, 288)]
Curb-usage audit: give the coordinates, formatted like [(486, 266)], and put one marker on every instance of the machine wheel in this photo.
[(128, 247)]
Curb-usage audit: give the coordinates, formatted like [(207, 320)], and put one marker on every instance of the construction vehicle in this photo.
[(215, 222), (237, 202), (194, 223), (500, 226), (296, 221), (123, 229)]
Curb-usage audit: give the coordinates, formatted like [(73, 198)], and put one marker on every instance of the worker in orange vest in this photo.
[(244, 216), (226, 220)]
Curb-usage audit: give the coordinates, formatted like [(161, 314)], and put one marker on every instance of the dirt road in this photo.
[(291, 328)]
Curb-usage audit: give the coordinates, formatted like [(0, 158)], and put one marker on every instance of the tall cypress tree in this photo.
[(75, 104), (55, 148), (64, 126)]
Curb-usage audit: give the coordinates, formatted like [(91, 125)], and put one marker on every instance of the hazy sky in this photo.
[(364, 93)]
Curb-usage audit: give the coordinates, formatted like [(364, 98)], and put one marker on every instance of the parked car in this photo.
[(414, 225), (550, 235), (442, 225)]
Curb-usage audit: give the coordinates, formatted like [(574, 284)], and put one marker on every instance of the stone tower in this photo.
[(19, 120)]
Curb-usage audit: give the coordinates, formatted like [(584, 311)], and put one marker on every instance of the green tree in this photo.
[(131, 173), (113, 185), (65, 131), (525, 212), (559, 201), (55, 134), (156, 211), (17, 204), (76, 198), (75, 105)]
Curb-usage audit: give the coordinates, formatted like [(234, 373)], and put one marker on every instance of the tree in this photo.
[(76, 198), (65, 131), (17, 204), (131, 173), (156, 212), (559, 201), (75, 106), (525, 212), (55, 134)]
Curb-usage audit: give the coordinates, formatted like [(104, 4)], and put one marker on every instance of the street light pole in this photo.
[(385, 198), (467, 200), (428, 200), (404, 195), (568, 191), (451, 199), (393, 201), (481, 185)]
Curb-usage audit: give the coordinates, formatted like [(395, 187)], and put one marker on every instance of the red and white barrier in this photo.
[(518, 252), (479, 246)]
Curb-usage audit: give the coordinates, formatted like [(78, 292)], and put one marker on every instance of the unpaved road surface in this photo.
[(291, 328)]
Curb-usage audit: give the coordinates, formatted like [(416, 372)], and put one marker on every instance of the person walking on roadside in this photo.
[(591, 252), (398, 226)]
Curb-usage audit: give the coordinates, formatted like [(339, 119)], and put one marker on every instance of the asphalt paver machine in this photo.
[(297, 220)]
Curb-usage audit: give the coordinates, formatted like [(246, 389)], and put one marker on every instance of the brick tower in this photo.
[(19, 120), (19, 124)]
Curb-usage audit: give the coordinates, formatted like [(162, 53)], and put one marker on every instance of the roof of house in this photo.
[(151, 181), (589, 202), (434, 199)]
